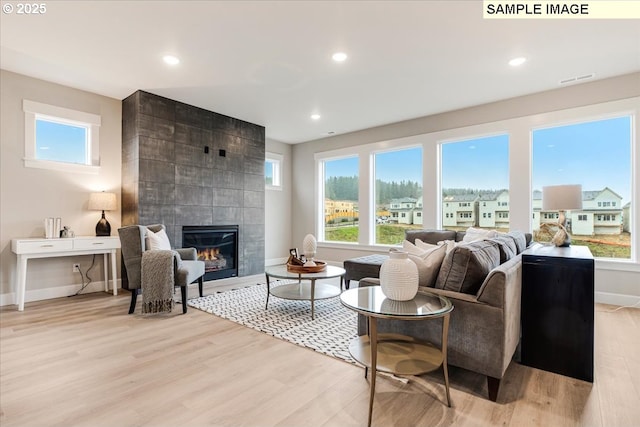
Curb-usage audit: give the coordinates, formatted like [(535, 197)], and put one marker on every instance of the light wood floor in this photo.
[(82, 361)]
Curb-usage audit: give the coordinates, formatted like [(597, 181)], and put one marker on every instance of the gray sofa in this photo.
[(484, 328)]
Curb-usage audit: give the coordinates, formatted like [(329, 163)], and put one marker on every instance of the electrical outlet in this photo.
[(76, 268)]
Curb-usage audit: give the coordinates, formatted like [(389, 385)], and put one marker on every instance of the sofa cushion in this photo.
[(429, 236), (506, 245), (520, 239), (466, 266), (429, 265)]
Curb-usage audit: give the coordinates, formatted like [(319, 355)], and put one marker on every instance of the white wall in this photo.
[(615, 282), (278, 210), (29, 195)]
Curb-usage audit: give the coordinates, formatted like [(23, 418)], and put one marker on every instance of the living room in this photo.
[(31, 194)]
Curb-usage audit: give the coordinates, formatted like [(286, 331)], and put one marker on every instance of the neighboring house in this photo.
[(334, 209), (493, 209), (417, 213), (459, 211), (626, 222), (402, 210), (601, 213), (540, 216)]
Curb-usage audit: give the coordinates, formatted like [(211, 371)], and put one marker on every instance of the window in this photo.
[(398, 185), (61, 139), (475, 172), (273, 171), (340, 199), (597, 155)]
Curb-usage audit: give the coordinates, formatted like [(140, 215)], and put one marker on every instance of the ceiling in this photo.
[(269, 62)]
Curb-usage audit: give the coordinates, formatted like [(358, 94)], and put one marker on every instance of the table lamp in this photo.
[(102, 202), (562, 198)]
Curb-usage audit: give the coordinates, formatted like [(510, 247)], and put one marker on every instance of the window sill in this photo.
[(61, 167)]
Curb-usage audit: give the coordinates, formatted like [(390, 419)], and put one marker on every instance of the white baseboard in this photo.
[(54, 292), (622, 300)]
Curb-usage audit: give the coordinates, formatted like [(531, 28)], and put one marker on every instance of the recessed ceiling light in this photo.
[(517, 61), (315, 116), (171, 60), (339, 56)]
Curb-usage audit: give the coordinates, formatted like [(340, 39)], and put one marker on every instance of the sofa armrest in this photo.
[(369, 281), (187, 254), (502, 286)]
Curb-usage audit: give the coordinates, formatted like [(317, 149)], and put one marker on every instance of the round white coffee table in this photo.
[(306, 287)]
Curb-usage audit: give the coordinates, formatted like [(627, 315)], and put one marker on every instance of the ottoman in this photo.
[(364, 266)]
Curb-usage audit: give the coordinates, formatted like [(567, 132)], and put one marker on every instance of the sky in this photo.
[(60, 142), (595, 154)]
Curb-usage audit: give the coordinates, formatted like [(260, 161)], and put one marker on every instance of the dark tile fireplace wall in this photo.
[(183, 165)]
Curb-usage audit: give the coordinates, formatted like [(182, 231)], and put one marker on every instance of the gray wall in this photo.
[(617, 279), (168, 178)]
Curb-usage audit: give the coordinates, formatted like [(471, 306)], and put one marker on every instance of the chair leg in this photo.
[(200, 286), (183, 293), (134, 297), (493, 384)]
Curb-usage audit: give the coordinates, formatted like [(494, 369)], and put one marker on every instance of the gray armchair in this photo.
[(187, 269)]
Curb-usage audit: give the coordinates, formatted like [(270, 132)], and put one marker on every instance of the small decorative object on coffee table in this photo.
[(309, 246), (399, 276), (398, 354)]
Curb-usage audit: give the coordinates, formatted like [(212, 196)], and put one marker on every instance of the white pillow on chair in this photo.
[(157, 241)]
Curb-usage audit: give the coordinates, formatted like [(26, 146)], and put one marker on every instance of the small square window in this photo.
[(61, 139), (273, 171)]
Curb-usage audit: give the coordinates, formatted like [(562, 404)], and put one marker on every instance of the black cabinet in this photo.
[(558, 310)]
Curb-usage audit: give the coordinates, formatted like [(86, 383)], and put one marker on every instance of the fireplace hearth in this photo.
[(217, 246)]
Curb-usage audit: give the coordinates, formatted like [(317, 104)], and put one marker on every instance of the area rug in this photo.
[(330, 332)]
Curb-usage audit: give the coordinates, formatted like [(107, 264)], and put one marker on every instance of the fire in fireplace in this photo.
[(216, 245)]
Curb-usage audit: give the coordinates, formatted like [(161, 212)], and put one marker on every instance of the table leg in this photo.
[(105, 266), (313, 293), (445, 334), (268, 291), (21, 287), (114, 273), (373, 343)]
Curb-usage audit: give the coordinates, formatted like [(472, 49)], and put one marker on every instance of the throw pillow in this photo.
[(157, 241), (475, 234), (429, 265), (425, 246), (466, 266), (412, 249)]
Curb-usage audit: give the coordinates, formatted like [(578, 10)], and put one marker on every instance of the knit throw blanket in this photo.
[(157, 281)]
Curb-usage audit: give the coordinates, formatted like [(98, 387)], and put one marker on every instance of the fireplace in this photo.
[(217, 246)]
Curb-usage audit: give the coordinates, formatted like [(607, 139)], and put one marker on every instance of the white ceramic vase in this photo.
[(399, 277)]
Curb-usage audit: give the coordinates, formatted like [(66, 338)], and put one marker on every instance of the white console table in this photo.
[(49, 248)]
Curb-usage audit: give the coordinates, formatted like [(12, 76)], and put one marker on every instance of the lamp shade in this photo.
[(102, 201), (561, 197)]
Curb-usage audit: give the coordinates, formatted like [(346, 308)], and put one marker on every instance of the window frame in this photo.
[(519, 129), (277, 161), (34, 111)]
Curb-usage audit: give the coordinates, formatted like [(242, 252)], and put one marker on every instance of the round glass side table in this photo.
[(395, 353)]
